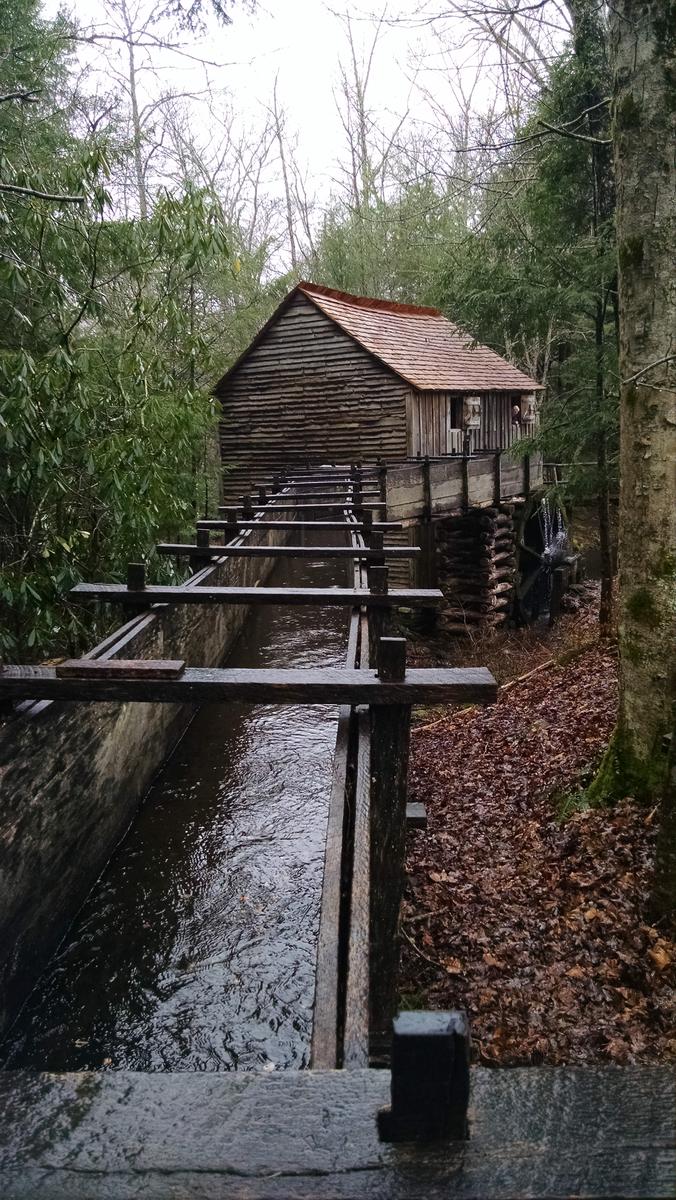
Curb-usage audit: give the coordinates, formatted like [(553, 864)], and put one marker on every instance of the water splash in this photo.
[(555, 545)]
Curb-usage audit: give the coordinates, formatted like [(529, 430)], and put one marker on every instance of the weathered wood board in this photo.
[(295, 685)]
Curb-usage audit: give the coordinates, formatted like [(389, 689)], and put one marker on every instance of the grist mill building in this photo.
[(339, 378)]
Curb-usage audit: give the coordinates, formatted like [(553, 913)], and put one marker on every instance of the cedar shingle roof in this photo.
[(418, 344)]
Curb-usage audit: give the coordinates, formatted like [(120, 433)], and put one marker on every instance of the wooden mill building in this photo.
[(339, 378)]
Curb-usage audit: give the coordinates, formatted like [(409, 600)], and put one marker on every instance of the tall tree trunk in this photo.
[(643, 45), (603, 502)]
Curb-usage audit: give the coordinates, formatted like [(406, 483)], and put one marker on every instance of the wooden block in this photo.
[(416, 816), (120, 668)]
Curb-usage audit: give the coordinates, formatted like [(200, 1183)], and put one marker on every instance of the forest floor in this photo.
[(528, 912)]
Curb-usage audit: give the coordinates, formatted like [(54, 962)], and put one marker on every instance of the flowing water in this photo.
[(196, 948)]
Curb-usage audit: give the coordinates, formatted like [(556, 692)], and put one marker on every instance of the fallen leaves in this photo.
[(539, 928)]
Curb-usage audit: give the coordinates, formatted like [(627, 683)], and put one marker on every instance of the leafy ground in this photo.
[(539, 927)]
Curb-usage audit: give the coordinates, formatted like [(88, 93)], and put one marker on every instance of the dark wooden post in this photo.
[(557, 591), (526, 475), (231, 518), (136, 577), (390, 737), (375, 539), (377, 581), (382, 479), (262, 496), (247, 507), (465, 471), (430, 1078), (202, 539), (497, 478)]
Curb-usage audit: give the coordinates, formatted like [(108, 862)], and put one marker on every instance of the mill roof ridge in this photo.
[(418, 344), (372, 302)]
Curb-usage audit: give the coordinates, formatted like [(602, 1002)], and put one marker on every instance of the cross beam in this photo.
[(251, 523), (118, 593), (315, 552), (294, 685)]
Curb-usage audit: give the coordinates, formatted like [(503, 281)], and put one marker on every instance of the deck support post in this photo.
[(390, 739), (430, 1078), (377, 618), (202, 537)]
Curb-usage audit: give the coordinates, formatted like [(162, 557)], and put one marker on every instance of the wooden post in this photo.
[(427, 490), (390, 737), (382, 479), (497, 477), (202, 537), (430, 1078), (262, 495), (375, 539), (465, 472), (558, 588), (231, 518), (136, 577), (526, 475), (247, 507), (377, 581)]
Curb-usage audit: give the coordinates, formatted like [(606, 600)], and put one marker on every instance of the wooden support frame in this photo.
[(241, 524), (364, 554), (116, 593), (293, 685)]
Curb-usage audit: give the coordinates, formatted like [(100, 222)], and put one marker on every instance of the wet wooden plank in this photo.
[(604, 1133), (314, 552), (331, 932), (292, 685), (118, 668), (117, 593), (356, 1033)]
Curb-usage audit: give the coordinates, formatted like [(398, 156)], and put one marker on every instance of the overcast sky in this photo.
[(301, 41)]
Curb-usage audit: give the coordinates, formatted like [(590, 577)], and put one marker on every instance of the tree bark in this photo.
[(643, 48)]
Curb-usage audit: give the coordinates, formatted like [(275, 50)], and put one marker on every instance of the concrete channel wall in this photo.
[(73, 774)]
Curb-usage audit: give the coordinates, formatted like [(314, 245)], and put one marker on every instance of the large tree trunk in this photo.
[(643, 46)]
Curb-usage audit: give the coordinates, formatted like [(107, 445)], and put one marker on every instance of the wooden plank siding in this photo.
[(434, 422), (307, 393)]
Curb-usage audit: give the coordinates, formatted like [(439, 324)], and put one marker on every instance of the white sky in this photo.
[(302, 41)]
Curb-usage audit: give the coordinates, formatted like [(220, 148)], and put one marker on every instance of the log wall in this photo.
[(307, 393), (477, 564)]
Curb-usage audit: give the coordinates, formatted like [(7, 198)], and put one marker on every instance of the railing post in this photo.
[(497, 477), (136, 577), (382, 479), (465, 473), (231, 518), (377, 617), (429, 1080), (390, 737), (262, 495), (247, 508), (202, 539)]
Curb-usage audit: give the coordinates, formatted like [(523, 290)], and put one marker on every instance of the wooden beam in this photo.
[(117, 593), (314, 552), (241, 523), (293, 685), (120, 668), (294, 505)]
